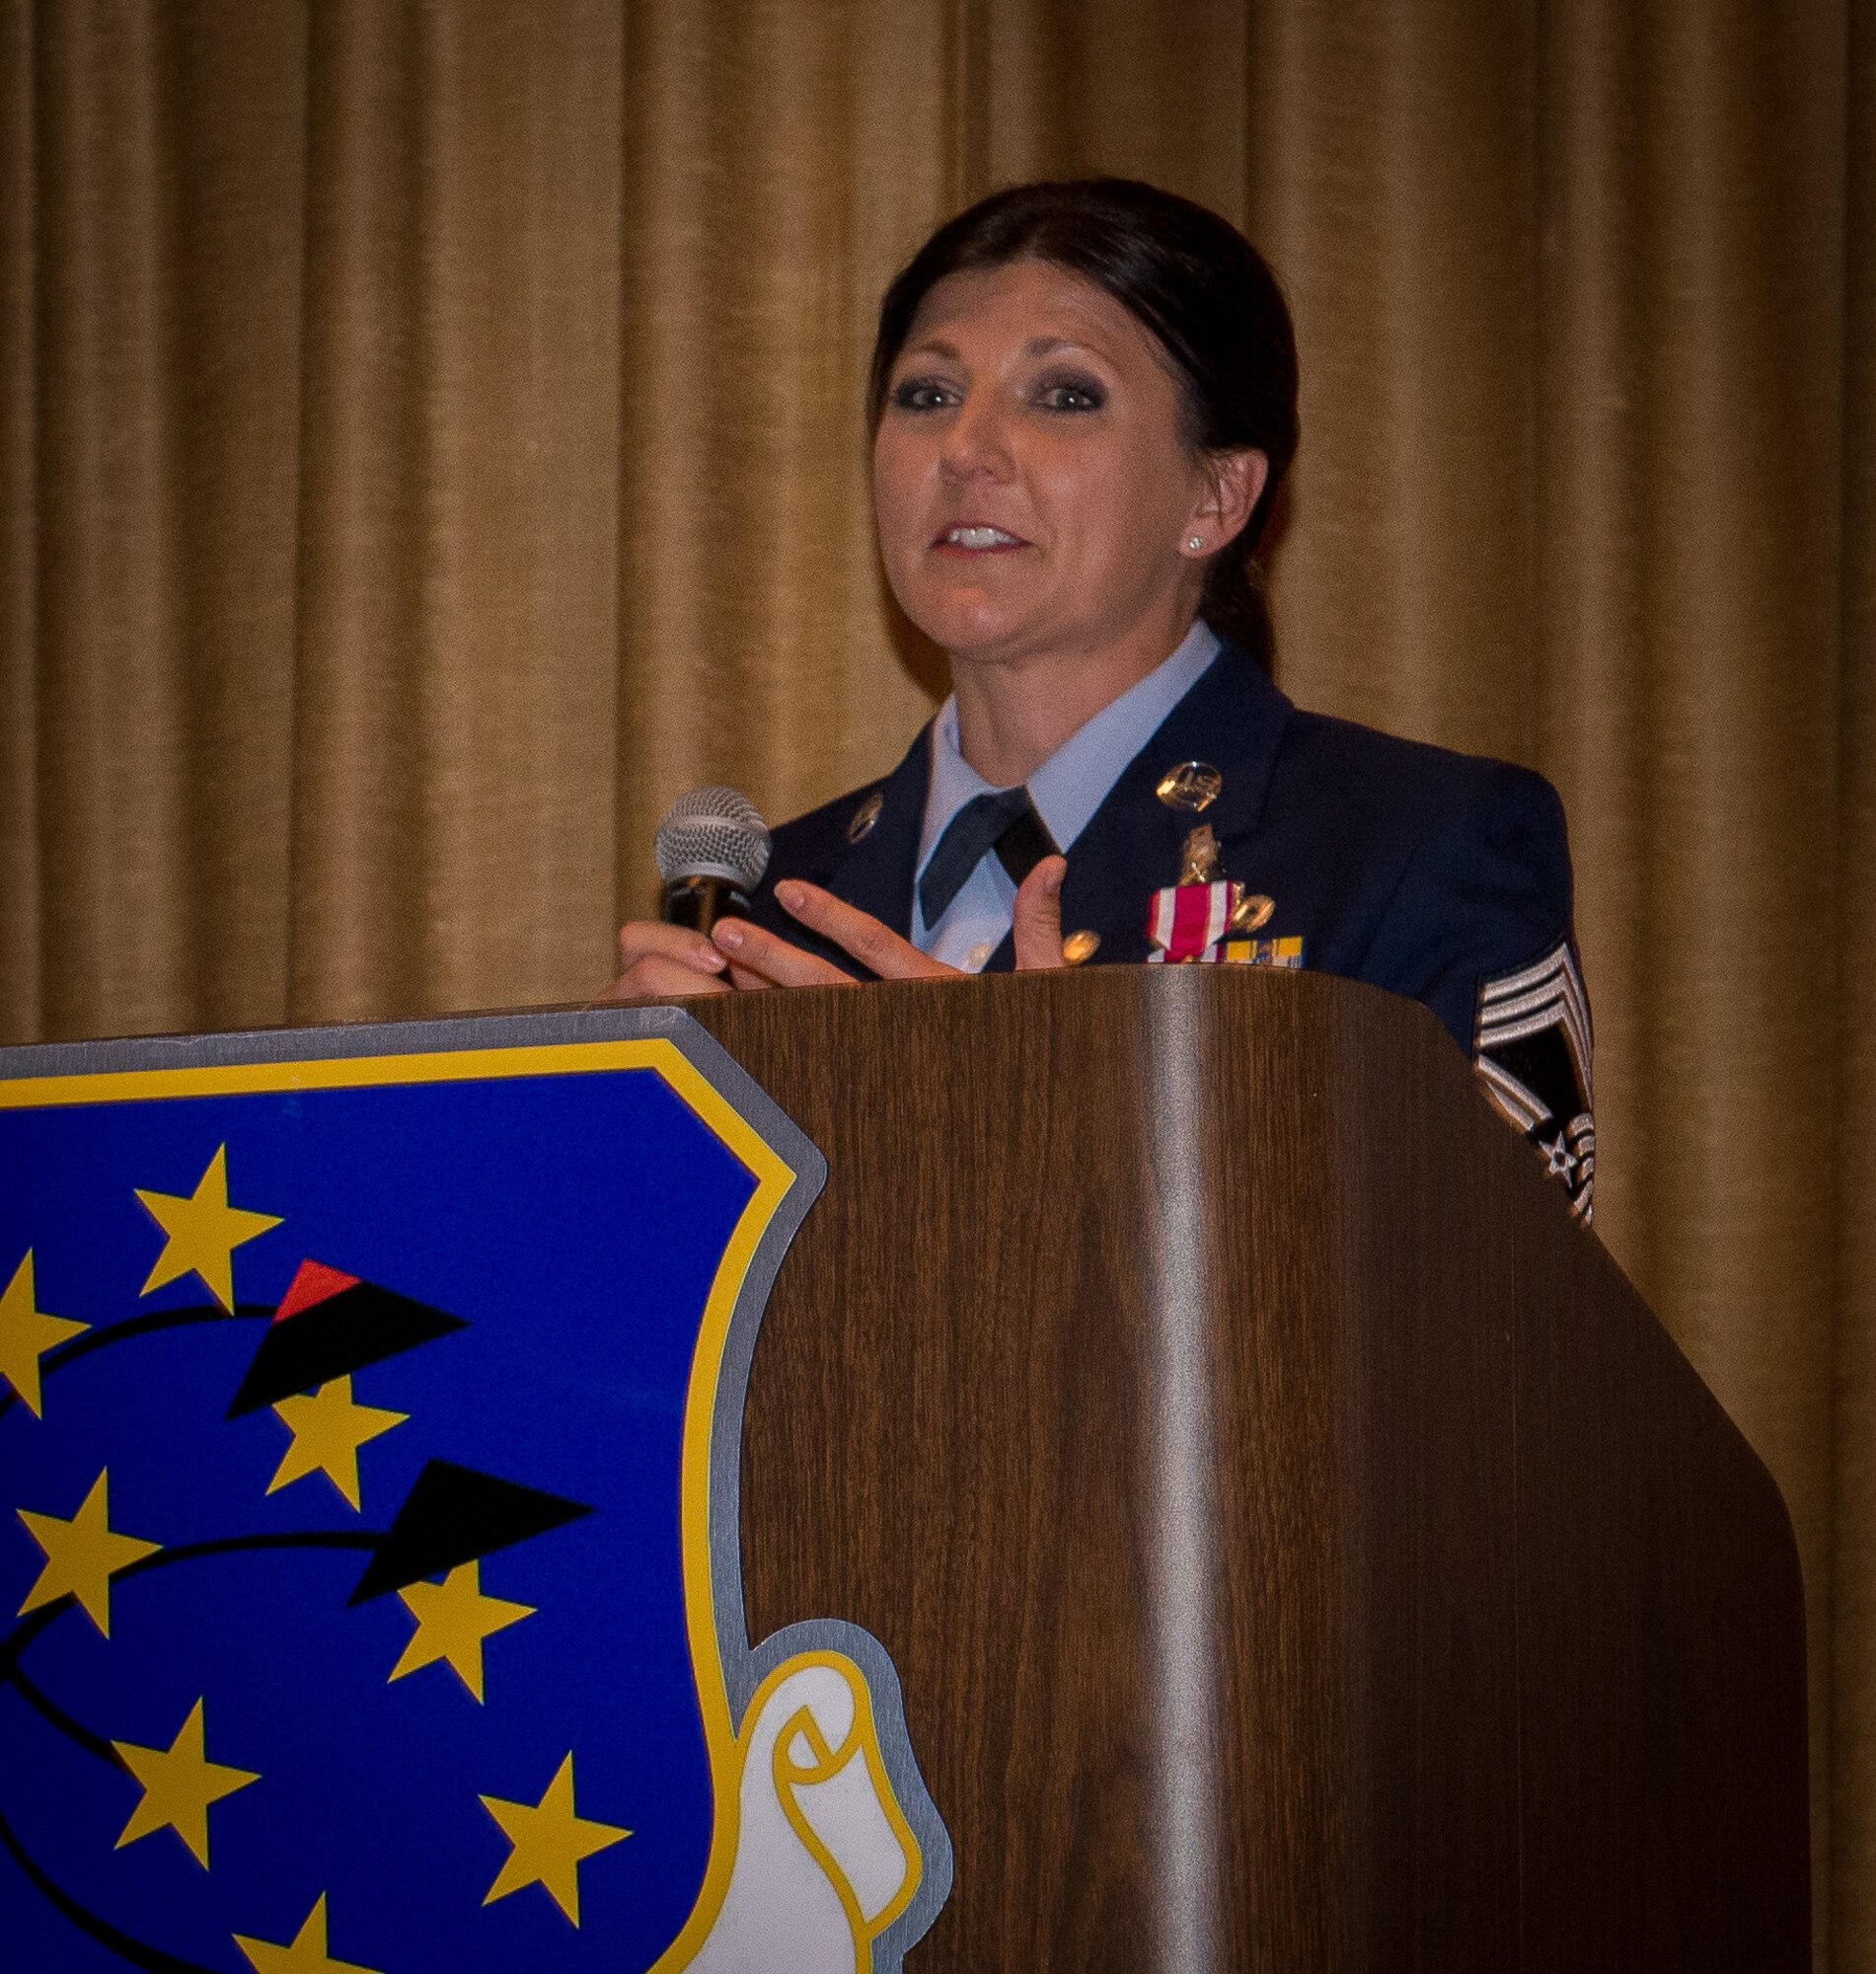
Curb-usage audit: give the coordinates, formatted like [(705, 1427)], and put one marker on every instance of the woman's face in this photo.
[(1033, 491)]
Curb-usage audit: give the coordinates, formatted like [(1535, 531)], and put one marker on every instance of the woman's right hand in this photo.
[(664, 962)]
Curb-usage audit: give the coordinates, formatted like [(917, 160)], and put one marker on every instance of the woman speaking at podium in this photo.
[(1083, 399)]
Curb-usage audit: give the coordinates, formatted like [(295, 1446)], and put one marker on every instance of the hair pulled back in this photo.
[(1195, 283)]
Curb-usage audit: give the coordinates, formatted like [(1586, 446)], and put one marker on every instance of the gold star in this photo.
[(453, 1617), (306, 1954), (550, 1842), (203, 1233), (27, 1333), (179, 1782), (328, 1430), (82, 1556)]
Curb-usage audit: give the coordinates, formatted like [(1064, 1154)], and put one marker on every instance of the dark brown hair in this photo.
[(1192, 280)]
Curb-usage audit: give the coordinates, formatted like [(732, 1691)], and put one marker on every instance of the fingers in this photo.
[(644, 938), (855, 931), (662, 962), (761, 959), (1038, 917), (656, 978)]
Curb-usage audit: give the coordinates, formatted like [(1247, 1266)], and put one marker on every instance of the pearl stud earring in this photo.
[(1195, 543)]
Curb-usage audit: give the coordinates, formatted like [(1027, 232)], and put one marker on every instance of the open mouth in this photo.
[(978, 538)]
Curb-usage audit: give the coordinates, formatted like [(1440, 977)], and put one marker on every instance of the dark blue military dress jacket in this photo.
[(1438, 875)]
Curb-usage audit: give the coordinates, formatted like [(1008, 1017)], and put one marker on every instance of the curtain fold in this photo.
[(1851, 1560), (431, 438)]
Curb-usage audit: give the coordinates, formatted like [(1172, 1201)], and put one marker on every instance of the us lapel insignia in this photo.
[(1192, 786), (861, 822)]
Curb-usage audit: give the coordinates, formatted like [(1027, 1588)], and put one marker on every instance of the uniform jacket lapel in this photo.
[(1232, 718), (877, 873)]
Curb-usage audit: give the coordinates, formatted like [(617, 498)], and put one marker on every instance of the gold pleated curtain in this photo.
[(432, 438)]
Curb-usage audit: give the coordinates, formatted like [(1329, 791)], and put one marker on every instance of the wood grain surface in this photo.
[(1470, 1638)]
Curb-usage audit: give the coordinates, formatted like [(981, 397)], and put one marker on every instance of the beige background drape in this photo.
[(431, 439)]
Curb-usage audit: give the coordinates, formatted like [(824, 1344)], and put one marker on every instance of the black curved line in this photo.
[(14, 1645), (50, 1711), (151, 1958), (234, 1545), (98, 1336)]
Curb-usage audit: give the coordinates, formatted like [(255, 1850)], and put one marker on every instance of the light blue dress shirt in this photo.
[(1067, 790)]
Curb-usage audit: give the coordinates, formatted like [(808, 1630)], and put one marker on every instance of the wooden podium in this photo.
[(1298, 1545)]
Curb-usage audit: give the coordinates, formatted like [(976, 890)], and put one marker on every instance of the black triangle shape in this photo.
[(359, 1326), (454, 1515)]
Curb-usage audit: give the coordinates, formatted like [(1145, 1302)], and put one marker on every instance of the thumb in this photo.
[(1036, 918)]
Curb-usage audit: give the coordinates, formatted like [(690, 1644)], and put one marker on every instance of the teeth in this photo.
[(981, 538)]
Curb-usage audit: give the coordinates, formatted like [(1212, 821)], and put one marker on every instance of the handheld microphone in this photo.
[(713, 848)]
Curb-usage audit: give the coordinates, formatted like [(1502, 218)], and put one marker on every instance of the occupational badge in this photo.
[(370, 1590), (1198, 857), (1533, 1051)]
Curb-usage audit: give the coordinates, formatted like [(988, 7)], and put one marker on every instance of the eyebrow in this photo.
[(1038, 346)]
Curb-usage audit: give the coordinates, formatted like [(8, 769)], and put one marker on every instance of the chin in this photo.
[(964, 624), (973, 637)]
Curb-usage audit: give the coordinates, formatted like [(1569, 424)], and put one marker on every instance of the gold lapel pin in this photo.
[(1193, 785), (861, 822)]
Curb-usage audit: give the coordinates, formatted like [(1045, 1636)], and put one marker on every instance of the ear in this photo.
[(1232, 482)]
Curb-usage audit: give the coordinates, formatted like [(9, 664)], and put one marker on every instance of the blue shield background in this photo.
[(574, 1224)]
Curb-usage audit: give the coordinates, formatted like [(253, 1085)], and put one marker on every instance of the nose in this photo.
[(977, 439)]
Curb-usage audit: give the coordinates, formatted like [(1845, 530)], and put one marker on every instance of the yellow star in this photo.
[(27, 1333), (179, 1782), (453, 1617), (82, 1556), (328, 1429), (203, 1233), (550, 1842), (306, 1954)]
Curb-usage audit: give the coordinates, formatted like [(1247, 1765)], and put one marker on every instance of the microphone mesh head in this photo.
[(712, 833)]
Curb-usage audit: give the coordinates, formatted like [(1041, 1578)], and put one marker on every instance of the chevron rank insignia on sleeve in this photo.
[(1531, 1049)]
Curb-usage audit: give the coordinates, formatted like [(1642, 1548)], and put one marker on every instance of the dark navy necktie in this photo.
[(1003, 820)]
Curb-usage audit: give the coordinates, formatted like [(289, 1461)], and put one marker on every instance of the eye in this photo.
[(1071, 394), (922, 394)]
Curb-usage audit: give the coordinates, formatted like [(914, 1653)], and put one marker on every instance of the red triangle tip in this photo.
[(314, 1283)]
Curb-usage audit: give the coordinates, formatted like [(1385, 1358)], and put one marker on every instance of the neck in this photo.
[(1013, 713)]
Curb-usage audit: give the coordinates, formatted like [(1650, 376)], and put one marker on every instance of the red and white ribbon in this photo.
[(1183, 920)]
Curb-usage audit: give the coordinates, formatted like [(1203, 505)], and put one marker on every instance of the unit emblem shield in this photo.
[(369, 1551)]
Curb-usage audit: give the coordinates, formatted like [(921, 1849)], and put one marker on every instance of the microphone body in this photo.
[(698, 902), (711, 848)]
